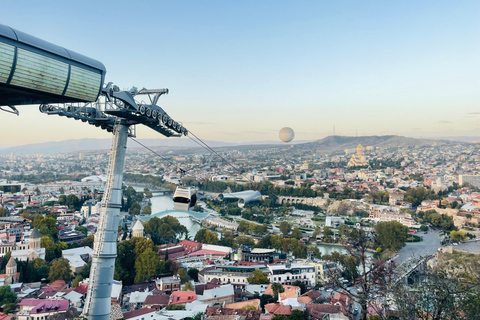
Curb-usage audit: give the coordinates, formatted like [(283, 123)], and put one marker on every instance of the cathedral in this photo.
[(358, 159)]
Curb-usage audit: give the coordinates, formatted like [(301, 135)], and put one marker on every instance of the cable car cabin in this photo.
[(184, 198), (34, 71)]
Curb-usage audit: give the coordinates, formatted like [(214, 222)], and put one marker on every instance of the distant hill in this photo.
[(340, 143), (468, 139), (76, 145), (327, 145)]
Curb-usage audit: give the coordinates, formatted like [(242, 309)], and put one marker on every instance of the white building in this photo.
[(34, 251), (77, 257), (288, 273), (334, 222)]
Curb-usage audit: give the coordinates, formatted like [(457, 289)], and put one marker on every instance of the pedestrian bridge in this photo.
[(161, 192)]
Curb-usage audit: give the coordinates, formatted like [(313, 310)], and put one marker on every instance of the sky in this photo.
[(239, 71)]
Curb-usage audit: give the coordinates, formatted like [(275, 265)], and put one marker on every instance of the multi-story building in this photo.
[(168, 284), (288, 273), (233, 274), (257, 255), (381, 213), (394, 198), (70, 236), (324, 270)]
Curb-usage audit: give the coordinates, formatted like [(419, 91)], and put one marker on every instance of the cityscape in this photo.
[(320, 219), (239, 161)]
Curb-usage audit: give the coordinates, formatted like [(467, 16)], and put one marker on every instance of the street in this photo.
[(429, 245)]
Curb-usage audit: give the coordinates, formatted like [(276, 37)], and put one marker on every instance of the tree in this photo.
[(147, 265), (3, 212), (391, 235), (316, 232), (193, 273), (246, 241), (82, 230), (50, 248), (60, 270), (297, 233), (85, 273), (373, 283), (188, 287), (303, 287), (7, 299), (343, 230), (285, 228), (277, 288), (5, 260), (183, 275), (88, 241), (258, 277), (73, 202), (134, 209), (243, 227), (442, 294), (46, 225), (147, 210), (458, 236), (206, 236), (327, 231), (164, 230), (424, 228), (77, 281), (297, 315)]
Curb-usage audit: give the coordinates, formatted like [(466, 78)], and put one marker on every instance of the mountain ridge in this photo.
[(327, 144)]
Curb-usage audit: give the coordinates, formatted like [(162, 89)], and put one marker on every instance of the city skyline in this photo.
[(241, 72)]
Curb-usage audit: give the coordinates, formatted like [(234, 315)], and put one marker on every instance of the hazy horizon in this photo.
[(241, 71)]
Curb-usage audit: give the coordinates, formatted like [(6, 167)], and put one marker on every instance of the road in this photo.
[(429, 245), (470, 246)]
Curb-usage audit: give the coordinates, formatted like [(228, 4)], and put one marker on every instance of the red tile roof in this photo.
[(178, 297), (82, 288), (190, 246), (276, 308)]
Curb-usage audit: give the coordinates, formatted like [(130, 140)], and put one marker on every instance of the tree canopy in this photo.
[(60, 270), (390, 235), (206, 236), (258, 277)]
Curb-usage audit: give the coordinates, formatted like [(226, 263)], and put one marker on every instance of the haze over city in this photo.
[(322, 161), (238, 72)]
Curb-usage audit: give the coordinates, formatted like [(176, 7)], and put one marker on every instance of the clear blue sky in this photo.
[(241, 70)]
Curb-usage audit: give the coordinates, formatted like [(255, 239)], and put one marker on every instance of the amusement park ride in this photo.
[(65, 83)]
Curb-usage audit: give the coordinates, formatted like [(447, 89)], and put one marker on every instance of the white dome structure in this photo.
[(137, 230), (286, 134)]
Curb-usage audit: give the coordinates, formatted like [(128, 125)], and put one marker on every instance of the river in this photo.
[(160, 204)]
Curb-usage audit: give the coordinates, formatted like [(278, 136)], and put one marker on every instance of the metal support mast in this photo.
[(115, 111), (97, 304)]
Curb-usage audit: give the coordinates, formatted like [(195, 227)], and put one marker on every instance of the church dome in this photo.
[(138, 225)]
